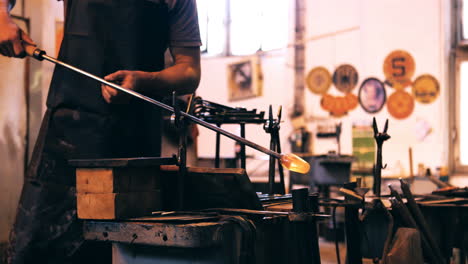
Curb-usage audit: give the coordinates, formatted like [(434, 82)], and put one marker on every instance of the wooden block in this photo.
[(117, 205), (209, 188), (117, 180)]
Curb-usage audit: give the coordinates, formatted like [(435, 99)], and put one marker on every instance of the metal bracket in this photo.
[(380, 138)]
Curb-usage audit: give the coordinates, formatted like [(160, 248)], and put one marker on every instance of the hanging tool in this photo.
[(379, 137), (220, 114), (290, 161), (272, 127), (181, 126)]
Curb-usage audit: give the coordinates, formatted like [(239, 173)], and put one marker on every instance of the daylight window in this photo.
[(242, 27)]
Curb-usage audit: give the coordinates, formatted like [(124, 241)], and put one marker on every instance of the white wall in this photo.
[(277, 91), (383, 26), (361, 33)]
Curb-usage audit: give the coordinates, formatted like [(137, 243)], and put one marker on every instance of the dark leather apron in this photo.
[(101, 37)]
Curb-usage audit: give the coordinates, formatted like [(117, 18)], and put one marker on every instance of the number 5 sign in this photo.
[(398, 69)]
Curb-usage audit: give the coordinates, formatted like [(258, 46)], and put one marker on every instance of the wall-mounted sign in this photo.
[(245, 79), (318, 80), (327, 102), (345, 78), (399, 68), (338, 106), (372, 95), (425, 89), (400, 104), (351, 100)]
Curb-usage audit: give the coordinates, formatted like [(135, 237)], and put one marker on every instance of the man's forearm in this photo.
[(183, 76)]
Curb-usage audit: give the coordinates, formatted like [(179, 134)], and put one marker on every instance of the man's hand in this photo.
[(131, 80), (11, 39), (183, 77)]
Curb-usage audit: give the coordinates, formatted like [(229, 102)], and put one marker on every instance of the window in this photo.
[(459, 95), (463, 35), (242, 27), (463, 111), (460, 108)]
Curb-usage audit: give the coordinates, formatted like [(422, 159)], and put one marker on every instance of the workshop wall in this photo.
[(23, 91), (361, 33), (373, 30), (277, 76)]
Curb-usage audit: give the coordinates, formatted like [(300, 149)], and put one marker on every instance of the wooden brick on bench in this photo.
[(117, 180), (117, 205)]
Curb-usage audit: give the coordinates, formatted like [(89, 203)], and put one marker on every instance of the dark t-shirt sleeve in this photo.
[(11, 4), (183, 24)]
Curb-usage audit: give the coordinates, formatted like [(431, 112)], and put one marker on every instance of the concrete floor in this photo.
[(328, 252)]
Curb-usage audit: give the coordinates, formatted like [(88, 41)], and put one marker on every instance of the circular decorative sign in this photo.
[(351, 100), (400, 104), (318, 80), (327, 102), (345, 78), (399, 69), (340, 107), (426, 89), (372, 95)]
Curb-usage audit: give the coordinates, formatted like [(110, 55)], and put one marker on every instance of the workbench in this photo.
[(155, 242), (232, 238)]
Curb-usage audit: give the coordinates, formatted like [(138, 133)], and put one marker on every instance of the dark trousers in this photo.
[(46, 229)]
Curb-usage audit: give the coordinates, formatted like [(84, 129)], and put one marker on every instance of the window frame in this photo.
[(454, 102), (458, 55), (227, 52)]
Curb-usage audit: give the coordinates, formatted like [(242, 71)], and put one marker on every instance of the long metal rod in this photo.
[(166, 107)]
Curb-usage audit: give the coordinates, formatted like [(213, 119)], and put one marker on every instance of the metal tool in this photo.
[(437, 182), (351, 194), (407, 219), (220, 114), (272, 126), (181, 126), (379, 137), (420, 220), (290, 161), (402, 210)]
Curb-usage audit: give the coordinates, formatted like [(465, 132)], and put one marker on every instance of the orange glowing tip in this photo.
[(294, 163)]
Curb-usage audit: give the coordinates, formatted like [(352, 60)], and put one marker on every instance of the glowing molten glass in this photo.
[(294, 163)]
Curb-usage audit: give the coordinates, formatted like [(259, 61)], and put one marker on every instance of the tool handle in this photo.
[(351, 194), (33, 51)]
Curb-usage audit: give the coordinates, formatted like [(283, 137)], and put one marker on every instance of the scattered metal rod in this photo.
[(257, 212), (420, 220), (395, 194), (437, 182), (351, 194), (399, 208)]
